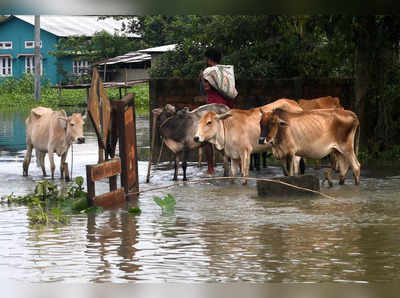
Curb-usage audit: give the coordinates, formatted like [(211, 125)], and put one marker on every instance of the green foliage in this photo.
[(49, 204), (101, 46), (261, 46), (18, 93), (167, 204), (135, 211)]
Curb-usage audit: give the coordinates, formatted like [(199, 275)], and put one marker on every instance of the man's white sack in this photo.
[(222, 78)]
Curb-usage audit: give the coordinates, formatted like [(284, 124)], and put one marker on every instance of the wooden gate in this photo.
[(113, 121)]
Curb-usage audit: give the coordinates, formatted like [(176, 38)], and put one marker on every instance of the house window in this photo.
[(30, 44), (5, 66), (5, 45), (80, 67), (30, 65)]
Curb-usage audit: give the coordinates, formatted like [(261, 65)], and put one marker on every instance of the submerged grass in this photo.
[(49, 204)]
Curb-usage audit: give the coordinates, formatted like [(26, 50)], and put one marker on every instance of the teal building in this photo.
[(17, 43)]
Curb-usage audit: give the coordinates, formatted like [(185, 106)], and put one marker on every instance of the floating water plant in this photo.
[(135, 211), (51, 204), (167, 204)]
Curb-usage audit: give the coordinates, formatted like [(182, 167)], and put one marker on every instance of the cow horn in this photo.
[(223, 116), (84, 114)]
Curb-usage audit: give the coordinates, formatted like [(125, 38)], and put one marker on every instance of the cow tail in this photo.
[(37, 154), (357, 139)]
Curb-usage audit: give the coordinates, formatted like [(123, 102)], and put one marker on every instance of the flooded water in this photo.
[(219, 232)]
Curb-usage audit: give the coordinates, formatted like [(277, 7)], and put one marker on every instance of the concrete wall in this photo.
[(252, 93)]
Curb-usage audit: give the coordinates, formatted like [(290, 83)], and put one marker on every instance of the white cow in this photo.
[(49, 131)]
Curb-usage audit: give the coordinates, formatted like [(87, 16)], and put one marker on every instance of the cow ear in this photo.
[(282, 123), (223, 116), (63, 122), (84, 115)]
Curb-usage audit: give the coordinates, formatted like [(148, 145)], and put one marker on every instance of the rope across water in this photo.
[(233, 178)]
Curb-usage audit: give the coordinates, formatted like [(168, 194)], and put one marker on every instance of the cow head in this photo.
[(270, 124), (74, 128), (164, 113), (208, 126)]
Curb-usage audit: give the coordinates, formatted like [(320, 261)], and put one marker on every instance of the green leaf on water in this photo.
[(79, 180), (80, 204), (167, 204), (135, 211), (92, 210)]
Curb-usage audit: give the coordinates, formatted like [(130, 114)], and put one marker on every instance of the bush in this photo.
[(18, 93)]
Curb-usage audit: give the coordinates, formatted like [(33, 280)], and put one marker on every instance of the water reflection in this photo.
[(12, 131), (219, 232)]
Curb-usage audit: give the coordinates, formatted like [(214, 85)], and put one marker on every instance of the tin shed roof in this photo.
[(160, 49), (64, 26)]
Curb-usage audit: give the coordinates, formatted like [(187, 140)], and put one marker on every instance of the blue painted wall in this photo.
[(18, 32)]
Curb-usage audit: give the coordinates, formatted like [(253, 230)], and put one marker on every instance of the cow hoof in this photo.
[(341, 181), (184, 179), (212, 173), (174, 179), (25, 174)]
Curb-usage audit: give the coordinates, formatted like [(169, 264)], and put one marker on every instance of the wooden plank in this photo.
[(93, 104), (106, 114), (90, 185), (105, 169), (125, 110), (130, 148), (110, 198)]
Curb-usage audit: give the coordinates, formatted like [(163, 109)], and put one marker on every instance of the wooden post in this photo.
[(90, 185), (126, 81), (37, 57), (87, 96), (125, 113), (153, 138), (105, 71)]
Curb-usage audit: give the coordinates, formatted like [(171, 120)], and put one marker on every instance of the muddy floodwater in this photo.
[(219, 231)]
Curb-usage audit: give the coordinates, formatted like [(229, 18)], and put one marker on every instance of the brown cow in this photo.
[(327, 102), (313, 134), (237, 132), (51, 131)]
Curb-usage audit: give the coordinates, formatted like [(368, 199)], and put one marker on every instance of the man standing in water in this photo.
[(213, 58)]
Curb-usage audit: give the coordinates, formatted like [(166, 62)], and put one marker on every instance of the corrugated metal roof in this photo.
[(127, 58), (75, 25), (161, 49)]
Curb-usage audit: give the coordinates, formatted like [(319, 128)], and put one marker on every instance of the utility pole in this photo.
[(37, 58)]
